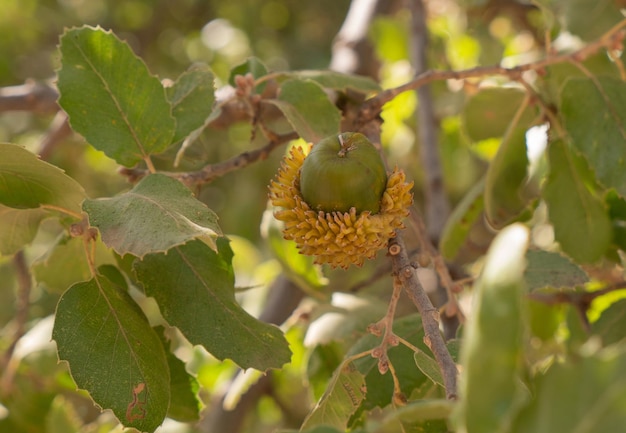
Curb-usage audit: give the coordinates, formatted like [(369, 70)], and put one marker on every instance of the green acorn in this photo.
[(341, 172)]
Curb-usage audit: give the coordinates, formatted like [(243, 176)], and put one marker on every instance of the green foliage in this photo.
[(112, 351), (308, 110), (154, 310), (505, 179), (468, 212), (489, 113), (184, 402), (343, 396), (157, 214), (597, 122), (111, 97), (550, 269), (582, 225), (29, 183), (191, 97), (597, 409), (493, 339), (207, 313)]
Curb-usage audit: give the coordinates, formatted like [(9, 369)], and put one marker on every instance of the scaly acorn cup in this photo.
[(338, 204)]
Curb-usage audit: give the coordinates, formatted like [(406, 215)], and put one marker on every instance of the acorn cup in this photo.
[(338, 204)]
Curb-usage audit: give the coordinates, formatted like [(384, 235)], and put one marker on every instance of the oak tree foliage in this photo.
[(147, 285)]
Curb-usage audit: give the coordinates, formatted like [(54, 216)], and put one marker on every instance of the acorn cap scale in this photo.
[(341, 172)]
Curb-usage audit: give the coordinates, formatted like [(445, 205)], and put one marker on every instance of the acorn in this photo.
[(338, 204), (342, 172)]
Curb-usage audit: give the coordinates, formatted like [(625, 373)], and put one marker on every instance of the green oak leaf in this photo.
[(308, 109), (468, 213), (192, 96), (550, 269), (594, 115), (492, 353), (581, 222), (26, 182), (111, 97), (112, 351), (18, 227), (505, 180), (488, 113), (185, 405), (156, 215), (584, 394), (590, 19), (66, 263), (194, 287), (343, 396)]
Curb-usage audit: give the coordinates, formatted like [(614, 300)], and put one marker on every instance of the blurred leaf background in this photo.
[(170, 36)]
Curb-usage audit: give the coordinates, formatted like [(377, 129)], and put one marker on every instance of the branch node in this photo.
[(407, 272), (375, 329), (392, 340), (378, 352), (394, 249), (428, 342)]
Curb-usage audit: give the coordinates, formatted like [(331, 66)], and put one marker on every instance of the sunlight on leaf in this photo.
[(66, 262)]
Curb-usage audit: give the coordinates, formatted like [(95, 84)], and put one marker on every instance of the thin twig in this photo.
[(62, 210), (546, 110), (21, 316), (211, 172), (575, 298), (373, 106), (384, 327), (36, 97), (405, 271), (58, 130), (451, 307)]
